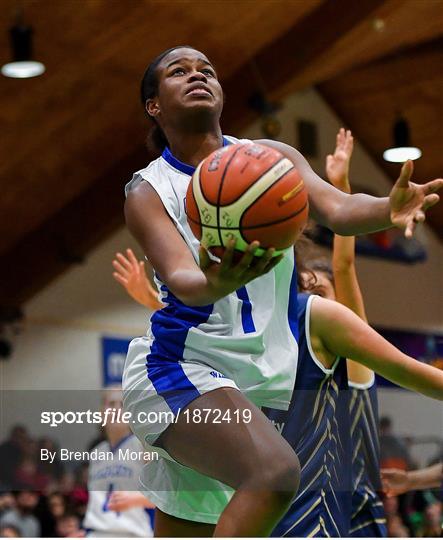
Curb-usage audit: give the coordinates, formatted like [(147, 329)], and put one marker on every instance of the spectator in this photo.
[(68, 526), (54, 507), (396, 528), (27, 473), (7, 502), (67, 483), (22, 516), (56, 468), (9, 531), (394, 523), (11, 453), (393, 453), (79, 495), (432, 521)]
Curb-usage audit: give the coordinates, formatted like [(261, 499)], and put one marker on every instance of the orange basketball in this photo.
[(248, 191)]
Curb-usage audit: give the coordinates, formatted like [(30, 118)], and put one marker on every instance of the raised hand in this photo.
[(410, 201), (337, 164), (130, 273), (228, 276)]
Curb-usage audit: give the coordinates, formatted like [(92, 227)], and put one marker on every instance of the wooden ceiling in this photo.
[(71, 138)]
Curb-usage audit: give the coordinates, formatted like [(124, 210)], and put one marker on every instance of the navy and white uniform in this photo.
[(368, 517), (317, 428), (247, 340), (121, 473)]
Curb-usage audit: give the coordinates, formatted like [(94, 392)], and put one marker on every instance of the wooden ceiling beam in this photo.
[(65, 239), (408, 82), (291, 54)]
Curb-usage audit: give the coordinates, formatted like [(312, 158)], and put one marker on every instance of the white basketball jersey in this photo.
[(249, 336), (118, 474)]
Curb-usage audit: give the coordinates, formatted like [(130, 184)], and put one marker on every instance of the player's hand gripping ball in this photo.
[(247, 191)]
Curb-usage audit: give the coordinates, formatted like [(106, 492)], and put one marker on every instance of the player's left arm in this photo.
[(342, 333), (125, 500), (360, 213)]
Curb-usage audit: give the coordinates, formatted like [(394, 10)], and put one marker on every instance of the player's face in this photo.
[(322, 287), (112, 399), (187, 81)]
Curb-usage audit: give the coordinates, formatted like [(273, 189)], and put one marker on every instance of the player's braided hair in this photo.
[(156, 140)]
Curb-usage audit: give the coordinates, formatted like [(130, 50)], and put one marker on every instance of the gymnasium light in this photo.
[(22, 66), (402, 149)]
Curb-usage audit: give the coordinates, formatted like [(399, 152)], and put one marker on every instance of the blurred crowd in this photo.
[(49, 500), (38, 498), (413, 514)]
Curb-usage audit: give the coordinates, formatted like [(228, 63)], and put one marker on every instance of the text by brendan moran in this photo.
[(121, 454)]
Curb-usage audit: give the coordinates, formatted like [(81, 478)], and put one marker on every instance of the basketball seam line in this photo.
[(220, 190), (267, 224), (261, 175), (266, 190)]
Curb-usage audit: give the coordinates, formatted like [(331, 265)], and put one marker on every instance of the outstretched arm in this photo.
[(131, 275), (347, 288), (359, 213), (396, 481), (342, 333)]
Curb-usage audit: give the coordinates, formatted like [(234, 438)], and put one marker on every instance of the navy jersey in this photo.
[(317, 427), (368, 518)]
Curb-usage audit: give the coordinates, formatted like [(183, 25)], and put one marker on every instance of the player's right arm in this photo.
[(194, 285), (341, 333), (396, 481)]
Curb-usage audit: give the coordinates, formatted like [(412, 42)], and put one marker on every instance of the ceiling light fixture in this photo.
[(402, 149), (22, 65)]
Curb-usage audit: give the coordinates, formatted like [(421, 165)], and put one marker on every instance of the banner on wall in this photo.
[(114, 352), (422, 346), (425, 347)]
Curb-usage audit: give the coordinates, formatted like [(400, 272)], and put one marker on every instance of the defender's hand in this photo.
[(130, 273), (337, 164)]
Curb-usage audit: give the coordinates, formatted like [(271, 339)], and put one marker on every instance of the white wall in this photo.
[(59, 346), (56, 360)]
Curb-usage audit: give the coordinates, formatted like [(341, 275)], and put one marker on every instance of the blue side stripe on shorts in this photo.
[(246, 311), (170, 327)]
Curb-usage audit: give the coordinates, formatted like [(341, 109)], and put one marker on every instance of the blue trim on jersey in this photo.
[(179, 165), (170, 327), (293, 304), (120, 442), (150, 514), (246, 311)]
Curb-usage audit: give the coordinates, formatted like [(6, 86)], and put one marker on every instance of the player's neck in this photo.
[(191, 148), (116, 433)]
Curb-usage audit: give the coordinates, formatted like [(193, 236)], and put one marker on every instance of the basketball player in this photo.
[(341, 284), (115, 506), (316, 425), (213, 346)]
